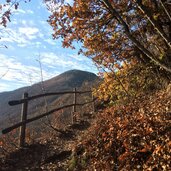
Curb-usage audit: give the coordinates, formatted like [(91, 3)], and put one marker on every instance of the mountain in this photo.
[(65, 81)]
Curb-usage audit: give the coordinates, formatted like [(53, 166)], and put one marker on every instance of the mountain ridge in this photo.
[(65, 81)]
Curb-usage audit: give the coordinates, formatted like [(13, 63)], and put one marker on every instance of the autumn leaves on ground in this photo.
[(130, 43), (132, 134), (135, 136), (128, 134)]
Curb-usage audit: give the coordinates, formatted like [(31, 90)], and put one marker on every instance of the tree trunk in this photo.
[(154, 23), (132, 38)]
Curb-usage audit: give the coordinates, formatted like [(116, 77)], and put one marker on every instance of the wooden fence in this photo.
[(25, 101)]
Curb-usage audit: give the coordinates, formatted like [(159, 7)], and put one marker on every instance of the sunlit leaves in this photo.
[(116, 30), (134, 136), (127, 82)]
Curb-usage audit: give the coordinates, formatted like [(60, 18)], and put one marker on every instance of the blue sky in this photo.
[(28, 38)]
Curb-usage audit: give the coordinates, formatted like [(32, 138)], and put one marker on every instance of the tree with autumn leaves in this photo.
[(113, 32), (119, 36), (132, 39)]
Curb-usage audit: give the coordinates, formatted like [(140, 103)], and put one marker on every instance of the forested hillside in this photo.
[(66, 81), (130, 43)]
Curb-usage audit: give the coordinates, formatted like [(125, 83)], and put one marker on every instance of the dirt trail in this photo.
[(52, 154)]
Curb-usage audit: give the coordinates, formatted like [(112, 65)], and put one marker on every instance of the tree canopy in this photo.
[(113, 32)]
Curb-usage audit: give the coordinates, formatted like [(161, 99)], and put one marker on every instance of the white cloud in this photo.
[(4, 87), (20, 11), (29, 12), (52, 59), (22, 45), (10, 35), (66, 61), (24, 22), (22, 36), (29, 32), (50, 41), (46, 28), (44, 47), (20, 73), (77, 57), (37, 44)]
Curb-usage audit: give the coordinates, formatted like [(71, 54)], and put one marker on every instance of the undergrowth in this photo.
[(134, 136)]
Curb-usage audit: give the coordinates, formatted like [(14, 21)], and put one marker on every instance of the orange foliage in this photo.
[(112, 32), (127, 138)]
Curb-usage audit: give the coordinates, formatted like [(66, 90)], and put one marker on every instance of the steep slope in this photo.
[(133, 136), (66, 81)]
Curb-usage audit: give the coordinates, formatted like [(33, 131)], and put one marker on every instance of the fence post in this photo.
[(23, 118), (74, 106), (93, 104)]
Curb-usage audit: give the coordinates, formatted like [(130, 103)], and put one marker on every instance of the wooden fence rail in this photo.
[(24, 101), (16, 102)]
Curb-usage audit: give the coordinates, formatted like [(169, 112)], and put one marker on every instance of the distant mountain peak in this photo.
[(65, 81), (76, 71)]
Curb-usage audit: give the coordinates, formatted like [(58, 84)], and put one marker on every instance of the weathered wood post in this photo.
[(93, 103), (23, 118), (74, 106)]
